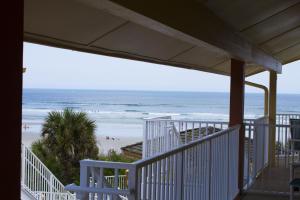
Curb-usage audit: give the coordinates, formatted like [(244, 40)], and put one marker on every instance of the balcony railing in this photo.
[(188, 160), (206, 168), (163, 134), (39, 181), (255, 149)]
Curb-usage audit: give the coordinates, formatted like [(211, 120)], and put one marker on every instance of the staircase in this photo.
[(38, 182)]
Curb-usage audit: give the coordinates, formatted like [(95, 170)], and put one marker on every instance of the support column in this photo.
[(11, 19), (237, 93), (272, 117)]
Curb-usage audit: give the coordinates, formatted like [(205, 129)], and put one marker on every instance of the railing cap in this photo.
[(106, 164)]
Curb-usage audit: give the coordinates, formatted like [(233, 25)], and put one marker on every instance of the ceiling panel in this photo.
[(77, 23), (283, 42), (140, 40), (274, 26), (201, 56), (223, 67), (243, 14), (289, 55)]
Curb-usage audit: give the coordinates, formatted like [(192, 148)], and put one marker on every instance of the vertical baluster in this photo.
[(163, 179), (193, 126), (214, 129), (198, 169), (161, 138), (188, 174), (152, 138), (167, 171), (159, 174), (35, 174), (185, 173), (200, 133), (249, 153), (155, 176), (209, 170), (168, 136), (186, 136), (92, 182), (286, 148), (179, 132), (172, 176), (282, 139), (156, 148), (195, 176), (139, 183), (145, 135), (100, 182), (179, 181), (31, 173), (144, 183), (150, 184), (202, 174)]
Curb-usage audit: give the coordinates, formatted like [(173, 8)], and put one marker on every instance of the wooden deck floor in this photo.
[(272, 180), (265, 197), (273, 183)]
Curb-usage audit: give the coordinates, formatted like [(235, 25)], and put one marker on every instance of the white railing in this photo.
[(256, 149), (39, 181), (164, 134), (206, 168), (284, 119), (257, 142), (283, 154), (122, 182), (260, 144)]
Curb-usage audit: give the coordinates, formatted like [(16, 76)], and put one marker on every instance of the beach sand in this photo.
[(103, 143)]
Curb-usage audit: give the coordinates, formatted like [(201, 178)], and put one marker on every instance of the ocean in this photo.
[(121, 113)]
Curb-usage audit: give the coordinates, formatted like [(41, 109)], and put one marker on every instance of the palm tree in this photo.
[(67, 138)]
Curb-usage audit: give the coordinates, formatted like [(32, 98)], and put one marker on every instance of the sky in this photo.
[(54, 68)]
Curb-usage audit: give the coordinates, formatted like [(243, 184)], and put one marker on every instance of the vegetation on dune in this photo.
[(67, 138), (112, 155)]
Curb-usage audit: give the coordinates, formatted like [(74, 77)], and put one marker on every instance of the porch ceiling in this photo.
[(272, 25), (264, 31)]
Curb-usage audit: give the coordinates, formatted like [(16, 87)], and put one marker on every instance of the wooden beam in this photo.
[(272, 117), (189, 21), (11, 19), (237, 93)]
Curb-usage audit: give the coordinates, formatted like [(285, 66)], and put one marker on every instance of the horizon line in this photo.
[(145, 90)]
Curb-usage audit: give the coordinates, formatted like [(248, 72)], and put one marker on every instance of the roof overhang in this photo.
[(186, 34)]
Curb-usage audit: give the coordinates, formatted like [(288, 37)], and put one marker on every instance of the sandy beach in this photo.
[(104, 143)]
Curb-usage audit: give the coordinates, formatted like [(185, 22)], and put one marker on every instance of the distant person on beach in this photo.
[(25, 126)]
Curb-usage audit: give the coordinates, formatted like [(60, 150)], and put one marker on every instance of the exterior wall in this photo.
[(11, 19)]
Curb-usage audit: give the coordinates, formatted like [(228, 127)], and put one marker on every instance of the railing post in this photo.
[(132, 183), (84, 181)]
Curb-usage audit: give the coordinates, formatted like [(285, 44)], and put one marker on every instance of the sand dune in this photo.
[(103, 142)]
